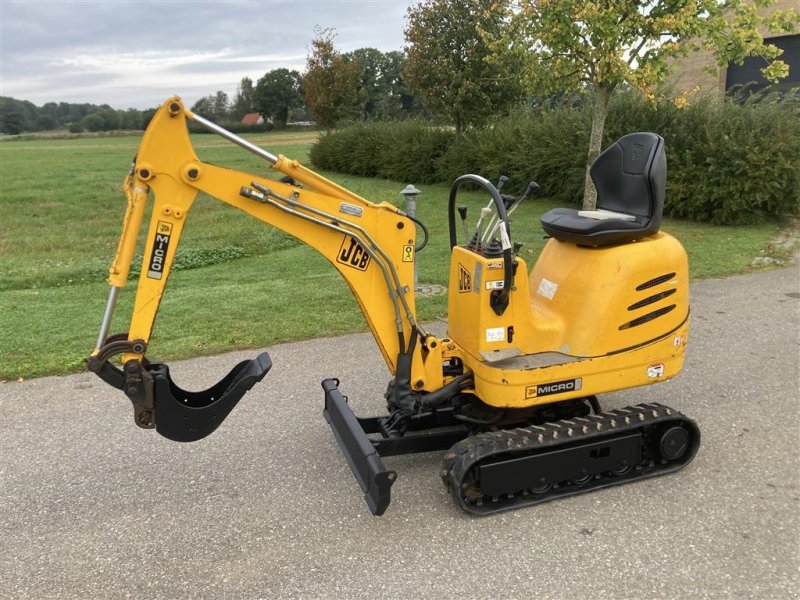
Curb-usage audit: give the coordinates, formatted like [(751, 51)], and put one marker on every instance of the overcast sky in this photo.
[(138, 53)]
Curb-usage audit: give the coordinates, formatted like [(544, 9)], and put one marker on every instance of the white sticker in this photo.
[(547, 288), (505, 243), (495, 334), (655, 371), (494, 285), (476, 278), (678, 341)]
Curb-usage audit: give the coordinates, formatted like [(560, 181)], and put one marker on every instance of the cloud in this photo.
[(138, 53)]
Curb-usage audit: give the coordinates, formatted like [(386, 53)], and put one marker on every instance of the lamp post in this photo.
[(410, 194)]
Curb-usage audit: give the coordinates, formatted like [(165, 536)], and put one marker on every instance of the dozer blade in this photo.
[(365, 462), (190, 416)]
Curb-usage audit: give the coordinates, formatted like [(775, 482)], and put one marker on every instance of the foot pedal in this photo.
[(190, 416)]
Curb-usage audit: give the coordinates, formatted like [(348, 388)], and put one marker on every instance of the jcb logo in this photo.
[(464, 280), (353, 254)]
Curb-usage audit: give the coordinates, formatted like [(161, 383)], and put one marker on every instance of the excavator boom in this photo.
[(371, 245)]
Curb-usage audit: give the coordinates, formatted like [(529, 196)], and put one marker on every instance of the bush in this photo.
[(737, 162), (401, 150), (547, 147), (729, 161)]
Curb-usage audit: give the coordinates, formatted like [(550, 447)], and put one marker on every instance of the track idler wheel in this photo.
[(674, 442)]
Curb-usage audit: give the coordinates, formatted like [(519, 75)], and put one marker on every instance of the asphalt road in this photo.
[(93, 507)]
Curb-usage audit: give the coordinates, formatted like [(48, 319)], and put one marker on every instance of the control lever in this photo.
[(462, 211), (484, 213), (500, 183), (532, 188), (508, 200)]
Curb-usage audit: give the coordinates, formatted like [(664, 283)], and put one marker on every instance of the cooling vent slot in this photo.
[(654, 282), (652, 299), (648, 317)]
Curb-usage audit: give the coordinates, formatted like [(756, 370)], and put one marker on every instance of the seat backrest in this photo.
[(631, 177)]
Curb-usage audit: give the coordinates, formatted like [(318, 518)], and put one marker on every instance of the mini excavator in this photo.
[(510, 393)]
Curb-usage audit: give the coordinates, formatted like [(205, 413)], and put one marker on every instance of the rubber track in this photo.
[(648, 419)]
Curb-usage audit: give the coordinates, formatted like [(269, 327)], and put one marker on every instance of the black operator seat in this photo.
[(631, 179)]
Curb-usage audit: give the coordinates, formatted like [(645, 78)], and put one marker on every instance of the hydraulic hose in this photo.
[(424, 231)]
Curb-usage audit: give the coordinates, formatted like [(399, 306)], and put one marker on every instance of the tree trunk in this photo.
[(281, 117), (602, 94)]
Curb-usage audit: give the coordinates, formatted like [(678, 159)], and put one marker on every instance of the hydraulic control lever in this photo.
[(501, 182), (462, 211), (511, 206)]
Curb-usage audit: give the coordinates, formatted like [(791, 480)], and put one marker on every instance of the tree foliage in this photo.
[(383, 84), (598, 45), (332, 82), (276, 93), (244, 100), (452, 64), (17, 116), (215, 107)]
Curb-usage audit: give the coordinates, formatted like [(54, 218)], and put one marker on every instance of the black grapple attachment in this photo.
[(159, 403)]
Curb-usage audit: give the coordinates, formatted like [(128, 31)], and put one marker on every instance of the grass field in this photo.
[(242, 284)]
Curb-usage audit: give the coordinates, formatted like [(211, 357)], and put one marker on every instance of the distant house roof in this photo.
[(252, 119)]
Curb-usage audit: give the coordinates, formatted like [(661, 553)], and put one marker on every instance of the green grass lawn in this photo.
[(244, 284)]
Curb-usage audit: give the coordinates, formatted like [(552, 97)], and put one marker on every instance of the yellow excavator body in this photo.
[(595, 320), (510, 390)]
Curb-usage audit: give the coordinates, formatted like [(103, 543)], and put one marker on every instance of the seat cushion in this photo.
[(566, 225)]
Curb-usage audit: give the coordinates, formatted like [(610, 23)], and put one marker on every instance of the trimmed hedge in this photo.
[(398, 150), (730, 162)]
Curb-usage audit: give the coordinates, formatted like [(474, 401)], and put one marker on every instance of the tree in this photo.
[(452, 64), (215, 106), (597, 46), (276, 93), (204, 107), (93, 122), (130, 119), (385, 92), (11, 122), (48, 116), (45, 122), (399, 101), (111, 118), (331, 83), (147, 116), (243, 102), (17, 115), (372, 64), (222, 106)]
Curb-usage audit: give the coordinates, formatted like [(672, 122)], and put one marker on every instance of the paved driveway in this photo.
[(92, 507)]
